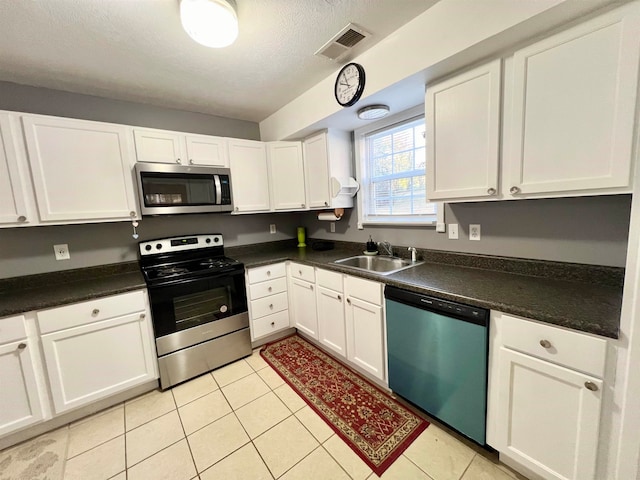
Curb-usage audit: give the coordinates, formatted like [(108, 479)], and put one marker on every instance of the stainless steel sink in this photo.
[(377, 264)]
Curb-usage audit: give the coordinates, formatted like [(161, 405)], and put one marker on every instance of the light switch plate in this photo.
[(272, 228), (453, 231)]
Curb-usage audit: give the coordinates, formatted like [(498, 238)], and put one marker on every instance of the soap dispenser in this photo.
[(371, 245)]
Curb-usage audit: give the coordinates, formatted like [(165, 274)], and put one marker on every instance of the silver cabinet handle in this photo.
[(302, 205), (132, 214), (143, 315), (268, 273), (514, 190), (95, 312), (22, 218), (339, 298), (190, 161), (237, 209), (299, 272), (591, 386), (271, 306), (269, 289), (273, 324), (22, 346), (491, 191), (311, 287), (349, 301), (326, 204), (545, 343), (178, 161)]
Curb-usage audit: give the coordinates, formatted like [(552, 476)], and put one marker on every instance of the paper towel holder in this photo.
[(348, 186), (331, 216)]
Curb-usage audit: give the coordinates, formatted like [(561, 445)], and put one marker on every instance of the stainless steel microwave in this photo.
[(173, 189)]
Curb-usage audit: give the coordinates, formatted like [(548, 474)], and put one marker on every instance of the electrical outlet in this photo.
[(474, 231), (62, 251), (453, 231), (441, 227), (332, 227), (272, 228)]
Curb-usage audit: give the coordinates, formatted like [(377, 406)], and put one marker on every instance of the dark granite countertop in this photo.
[(37, 292), (580, 297)]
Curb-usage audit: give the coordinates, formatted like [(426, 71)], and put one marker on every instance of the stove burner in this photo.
[(216, 262), (167, 271)]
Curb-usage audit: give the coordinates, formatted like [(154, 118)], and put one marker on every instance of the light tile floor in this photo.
[(244, 422)]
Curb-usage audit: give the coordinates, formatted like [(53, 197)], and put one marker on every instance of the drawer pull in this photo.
[(545, 343), (339, 298), (591, 386), (143, 315), (269, 289), (311, 287), (271, 306), (514, 190), (349, 301), (491, 191), (268, 273), (178, 161), (22, 218), (190, 161), (22, 346), (299, 272), (273, 324), (95, 312)]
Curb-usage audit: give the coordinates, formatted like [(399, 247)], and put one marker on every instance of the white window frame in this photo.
[(362, 174)]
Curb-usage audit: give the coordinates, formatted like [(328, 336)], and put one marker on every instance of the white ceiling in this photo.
[(136, 50)]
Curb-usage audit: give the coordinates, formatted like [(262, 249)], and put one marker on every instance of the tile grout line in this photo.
[(186, 437)]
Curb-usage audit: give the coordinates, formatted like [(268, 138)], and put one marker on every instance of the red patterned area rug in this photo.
[(373, 424)]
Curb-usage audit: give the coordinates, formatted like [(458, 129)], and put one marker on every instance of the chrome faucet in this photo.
[(386, 247), (413, 253)]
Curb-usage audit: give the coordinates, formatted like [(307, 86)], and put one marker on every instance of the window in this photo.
[(392, 171)]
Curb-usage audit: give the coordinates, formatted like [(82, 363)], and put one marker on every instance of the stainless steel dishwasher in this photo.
[(437, 353)]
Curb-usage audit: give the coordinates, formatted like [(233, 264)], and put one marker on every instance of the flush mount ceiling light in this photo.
[(212, 23), (373, 112)]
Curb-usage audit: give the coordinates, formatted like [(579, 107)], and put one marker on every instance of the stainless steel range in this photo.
[(198, 303)]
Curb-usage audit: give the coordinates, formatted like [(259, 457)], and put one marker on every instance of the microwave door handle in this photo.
[(216, 179)]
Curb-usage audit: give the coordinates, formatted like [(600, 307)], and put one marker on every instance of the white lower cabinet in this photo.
[(97, 348), (268, 300), (545, 397), (331, 320), (303, 300), (365, 328), (19, 400)]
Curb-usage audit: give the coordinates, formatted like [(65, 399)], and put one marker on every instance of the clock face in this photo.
[(349, 84)]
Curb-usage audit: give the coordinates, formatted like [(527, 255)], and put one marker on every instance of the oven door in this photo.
[(194, 311)]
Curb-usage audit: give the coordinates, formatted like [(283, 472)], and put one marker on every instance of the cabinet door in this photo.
[(462, 117), (304, 314), (206, 150), (158, 146), (548, 419), (94, 361), (316, 163), (249, 175), (573, 108), (287, 175), (19, 401), (365, 345), (82, 171), (13, 201), (331, 320)]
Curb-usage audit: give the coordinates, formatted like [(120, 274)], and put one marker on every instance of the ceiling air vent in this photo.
[(343, 42)]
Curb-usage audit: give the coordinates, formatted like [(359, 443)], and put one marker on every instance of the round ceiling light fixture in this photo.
[(373, 112), (212, 23)]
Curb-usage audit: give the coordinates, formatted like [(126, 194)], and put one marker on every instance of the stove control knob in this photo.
[(147, 247), (158, 246), (216, 239), (208, 240)]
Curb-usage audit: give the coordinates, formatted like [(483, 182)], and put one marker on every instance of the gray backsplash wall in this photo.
[(23, 98), (591, 230), (29, 250)]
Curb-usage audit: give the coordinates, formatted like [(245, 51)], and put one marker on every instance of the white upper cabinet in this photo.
[(13, 190), (81, 170), (326, 155), (573, 109), (161, 146), (463, 134), (286, 175), (249, 175)]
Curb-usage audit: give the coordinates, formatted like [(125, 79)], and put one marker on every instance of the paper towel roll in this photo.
[(328, 217)]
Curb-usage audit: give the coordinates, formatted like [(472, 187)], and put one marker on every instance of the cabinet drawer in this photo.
[(12, 329), (363, 289), (564, 347), (303, 272), (268, 305), (271, 287), (270, 324), (268, 272), (330, 280), (89, 312)]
